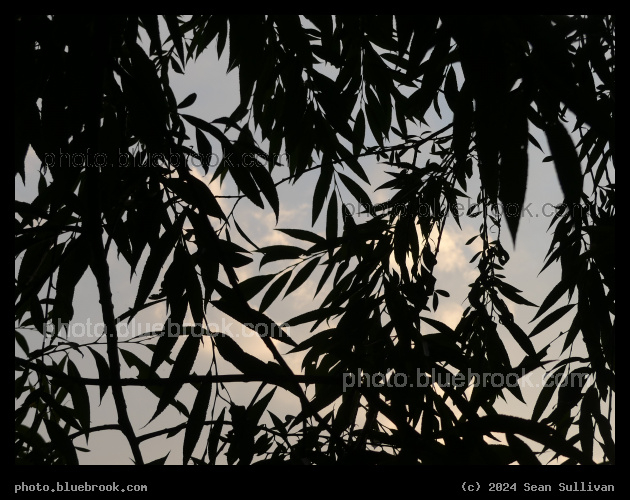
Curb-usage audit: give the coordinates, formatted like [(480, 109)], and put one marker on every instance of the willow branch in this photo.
[(278, 380), (415, 144)]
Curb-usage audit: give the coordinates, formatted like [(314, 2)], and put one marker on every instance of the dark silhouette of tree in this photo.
[(86, 90)]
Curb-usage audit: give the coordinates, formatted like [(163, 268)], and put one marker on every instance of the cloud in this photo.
[(452, 257), (450, 313)]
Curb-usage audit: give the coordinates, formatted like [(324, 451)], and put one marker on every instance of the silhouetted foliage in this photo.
[(87, 87)]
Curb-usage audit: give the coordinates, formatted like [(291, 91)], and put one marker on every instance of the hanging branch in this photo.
[(249, 315), (94, 233)]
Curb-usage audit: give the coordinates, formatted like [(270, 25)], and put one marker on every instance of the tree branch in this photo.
[(94, 229), (188, 379)]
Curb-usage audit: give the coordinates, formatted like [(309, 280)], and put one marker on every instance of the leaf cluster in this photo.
[(97, 108)]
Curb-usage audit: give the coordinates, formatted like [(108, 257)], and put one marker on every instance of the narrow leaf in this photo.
[(197, 417), (355, 190), (245, 237), (258, 408), (61, 442), (331, 222), (176, 35), (304, 235), (103, 371), (550, 319), (514, 160), (273, 253), (159, 253), (250, 318), (321, 190), (204, 148), (188, 101), (274, 290), (80, 399), (213, 437), (233, 353), (545, 396), (244, 181), (556, 293), (211, 129), (182, 367), (438, 325), (302, 275), (359, 132), (252, 286), (512, 293), (566, 161), (267, 187), (159, 461), (522, 452), (521, 337)]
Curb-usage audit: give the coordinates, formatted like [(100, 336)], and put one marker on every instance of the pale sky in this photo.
[(217, 95)]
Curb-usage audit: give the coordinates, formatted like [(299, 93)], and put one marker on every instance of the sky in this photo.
[(217, 96)]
